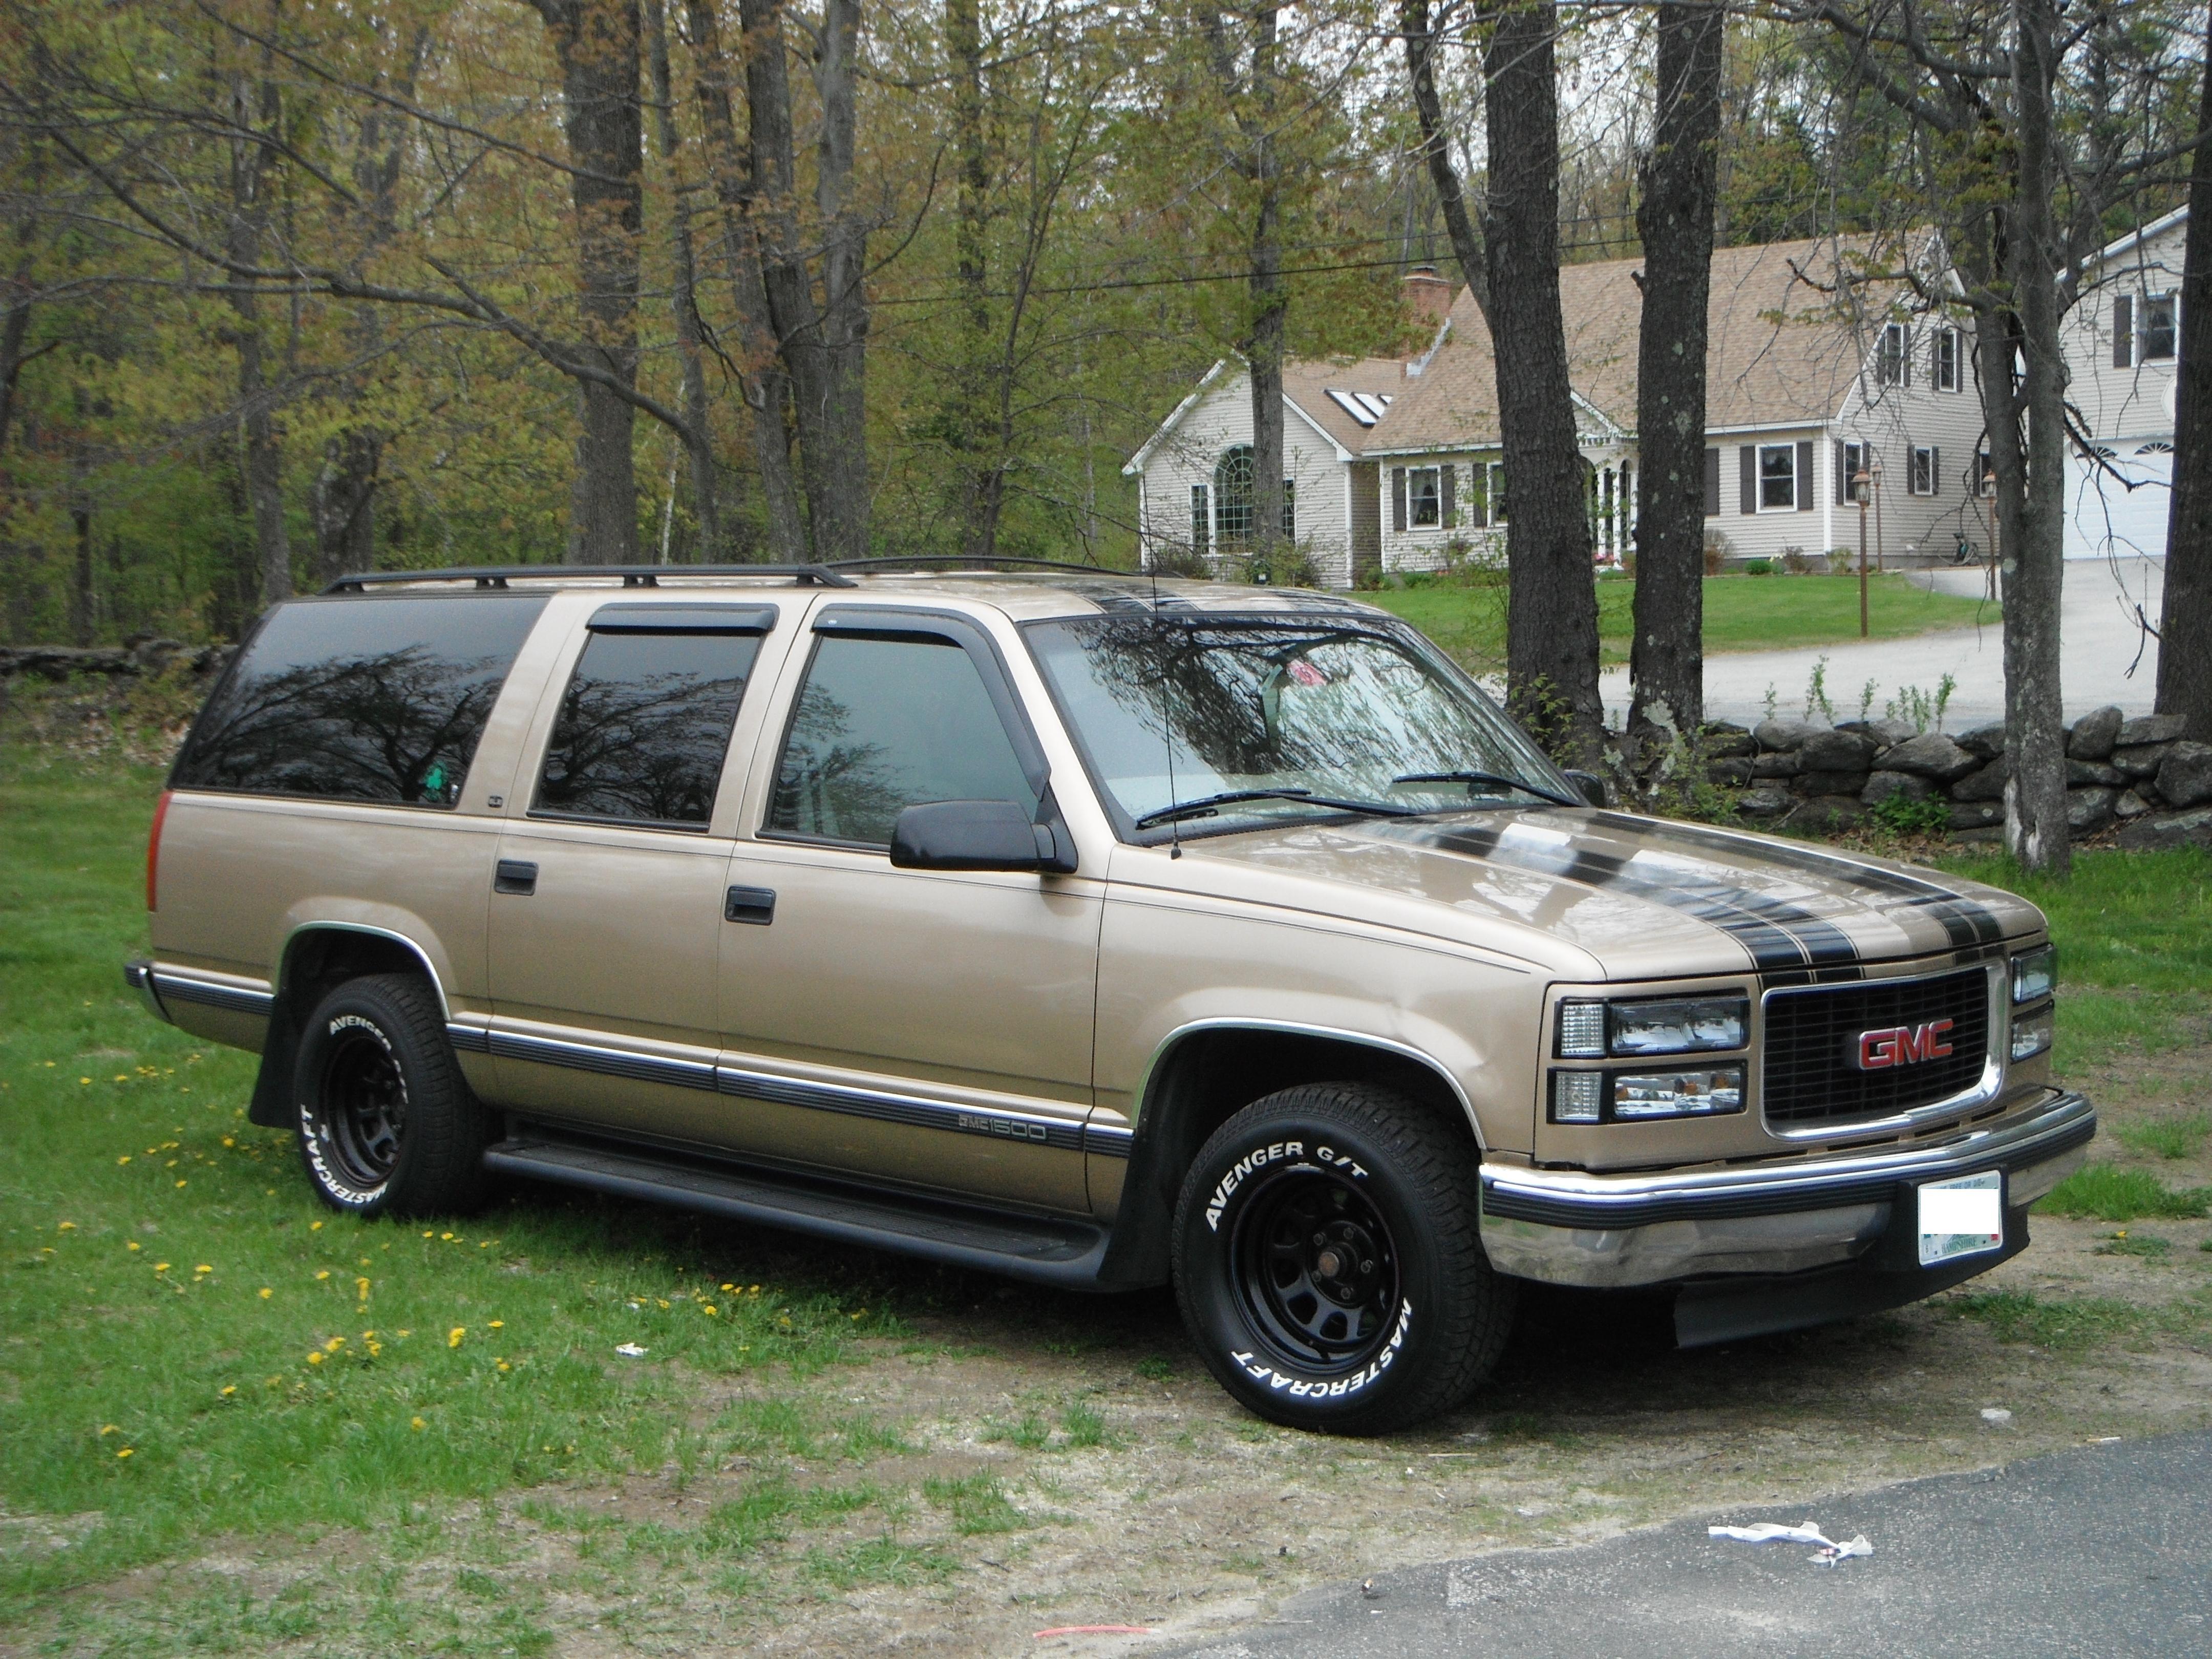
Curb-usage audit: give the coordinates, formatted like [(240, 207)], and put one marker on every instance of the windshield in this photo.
[(1332, 713)]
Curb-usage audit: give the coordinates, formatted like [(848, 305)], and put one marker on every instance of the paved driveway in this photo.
[(2101, 644), (2104, 1550)]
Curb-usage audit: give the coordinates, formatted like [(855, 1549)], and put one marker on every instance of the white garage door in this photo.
[(2105, 515)]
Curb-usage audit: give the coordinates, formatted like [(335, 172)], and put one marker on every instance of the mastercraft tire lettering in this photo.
[(1328, 1260), (387, 1123)]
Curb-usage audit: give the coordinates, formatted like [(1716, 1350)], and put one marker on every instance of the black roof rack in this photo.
[(910, 560), (633, 575)]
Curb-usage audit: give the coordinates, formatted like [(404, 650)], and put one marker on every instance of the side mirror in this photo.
[(1591, 786), (978, 834)]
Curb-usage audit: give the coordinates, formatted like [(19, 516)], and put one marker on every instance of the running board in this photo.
[(1044, 1251)]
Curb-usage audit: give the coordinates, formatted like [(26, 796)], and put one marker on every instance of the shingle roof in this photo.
[(1308, 383), (1781, 350)]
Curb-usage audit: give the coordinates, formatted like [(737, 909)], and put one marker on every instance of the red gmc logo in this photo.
[(1901, 1045)]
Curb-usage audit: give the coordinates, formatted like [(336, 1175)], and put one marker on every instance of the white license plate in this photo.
[(1961, 1217)]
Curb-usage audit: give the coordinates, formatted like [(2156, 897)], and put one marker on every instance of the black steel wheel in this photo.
[(1328, 1260), (387, 1122)]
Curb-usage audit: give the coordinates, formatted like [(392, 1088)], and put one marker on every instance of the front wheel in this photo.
[(1328, 1260), (387, 1123)]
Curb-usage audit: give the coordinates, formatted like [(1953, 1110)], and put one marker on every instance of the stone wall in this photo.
[(142, 654), (2140, 774)]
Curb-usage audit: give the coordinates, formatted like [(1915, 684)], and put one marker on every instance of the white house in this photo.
[(2123, 349), (1812, 373)]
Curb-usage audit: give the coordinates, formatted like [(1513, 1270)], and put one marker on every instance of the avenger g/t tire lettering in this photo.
[(388, 1126), (1329, 1264)]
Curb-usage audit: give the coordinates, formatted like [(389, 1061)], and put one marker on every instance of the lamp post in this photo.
[(1861, 483)]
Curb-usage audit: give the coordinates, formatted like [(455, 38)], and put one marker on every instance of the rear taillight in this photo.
[(154, 851)]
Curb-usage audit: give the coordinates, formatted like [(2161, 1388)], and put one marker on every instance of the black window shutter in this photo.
[(2124, 332), (1712, 483), (1843, 477), (1450, 478), (1477, 494), (1934, 471), (1747, 478), (1805, 476), (1397, 498)]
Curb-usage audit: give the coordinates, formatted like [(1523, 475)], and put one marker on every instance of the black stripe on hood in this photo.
[(1779, 937), (1965, 922)]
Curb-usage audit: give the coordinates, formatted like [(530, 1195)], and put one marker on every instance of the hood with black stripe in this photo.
[(1639, 898)]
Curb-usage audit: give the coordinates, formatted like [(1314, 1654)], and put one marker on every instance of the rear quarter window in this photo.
[(365, 699)]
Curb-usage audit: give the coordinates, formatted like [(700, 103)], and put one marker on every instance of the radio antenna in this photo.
[(1167, 725)]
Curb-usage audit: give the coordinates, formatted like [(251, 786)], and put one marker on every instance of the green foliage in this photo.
[(2106, 1192), (2173, 1138), (1901, 815)]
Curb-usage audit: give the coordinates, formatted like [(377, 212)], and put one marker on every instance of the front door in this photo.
[(929, 1028), (606, 908)]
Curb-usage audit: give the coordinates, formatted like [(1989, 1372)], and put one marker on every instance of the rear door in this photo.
[(606, 905)]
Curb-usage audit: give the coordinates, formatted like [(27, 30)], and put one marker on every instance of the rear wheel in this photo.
[(387, 1122), (1329, 1263)]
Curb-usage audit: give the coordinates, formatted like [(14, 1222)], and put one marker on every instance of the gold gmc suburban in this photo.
[(1096, 931)]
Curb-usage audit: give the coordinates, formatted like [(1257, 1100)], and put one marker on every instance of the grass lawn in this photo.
[(233, 1421), (1742, 613)]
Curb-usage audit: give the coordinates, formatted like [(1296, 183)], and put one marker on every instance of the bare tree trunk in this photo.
[(762, 380), (257, 108), (2185, 633), (2034, 564), (982, 490), (1550, 623), (1674, 219), (683, 299), (1269, 301), (597, 44), (1413, 21)]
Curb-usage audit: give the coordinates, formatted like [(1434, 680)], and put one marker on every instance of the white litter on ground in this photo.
[(629, 1350), (1995, 1416), (1769, 1532)]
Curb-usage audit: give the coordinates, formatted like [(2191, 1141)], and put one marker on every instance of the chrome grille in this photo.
[(1808, 1077)]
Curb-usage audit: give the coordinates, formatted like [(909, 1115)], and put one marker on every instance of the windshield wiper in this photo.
[(1486, 777), (1205, 805)]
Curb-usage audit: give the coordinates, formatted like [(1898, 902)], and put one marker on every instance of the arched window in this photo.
[(1232, 496)]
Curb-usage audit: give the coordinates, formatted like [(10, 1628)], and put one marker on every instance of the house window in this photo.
[(1946, 360), (1777, 477), (1927, 468), (1232, 496), (1985, 474), (2158, 336), (1425, 496), (1202, 517), (1892, 366), (1486, 503)]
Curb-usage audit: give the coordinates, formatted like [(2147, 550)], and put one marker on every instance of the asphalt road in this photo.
[(2101, 644), (2105, 1550)]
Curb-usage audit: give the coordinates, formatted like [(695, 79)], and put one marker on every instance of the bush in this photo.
[(1901, 815), (1758, 568)]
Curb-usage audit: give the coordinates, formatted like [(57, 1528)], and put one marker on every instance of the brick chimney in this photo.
[(1427, 297)]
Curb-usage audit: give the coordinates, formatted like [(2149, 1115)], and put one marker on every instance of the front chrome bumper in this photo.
[(1568, 1227)]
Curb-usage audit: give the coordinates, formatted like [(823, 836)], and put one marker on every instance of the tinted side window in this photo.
[(644, 726), (882, 725), (360, 699)]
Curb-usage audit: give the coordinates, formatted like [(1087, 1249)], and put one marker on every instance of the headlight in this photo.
[(2034, 973), (1674, 1025), (1637, 1097), (2031, 1034)]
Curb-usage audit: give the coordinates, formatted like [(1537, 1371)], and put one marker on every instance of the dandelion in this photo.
[(360, 1288), (453, 1337), (66, 1227), (132, 1245), (229, 1390), (266, 1292), (427, 1233), (126, 1451), (446, 1237), (316, 1358), (228, 1141), (334, 1345), (106, 1429), (417, 1423), (499, 1324), (406, 1332), (181, 1183), (503, 1365), (126, 1158), (323, 1274), (122, 1077), (160, 1266), (204, 1268), (84, 1079), (711, 1310), (729, 1287), (314, 1226)]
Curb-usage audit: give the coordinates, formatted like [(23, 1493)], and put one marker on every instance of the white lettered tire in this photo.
[(1329, 1264)]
